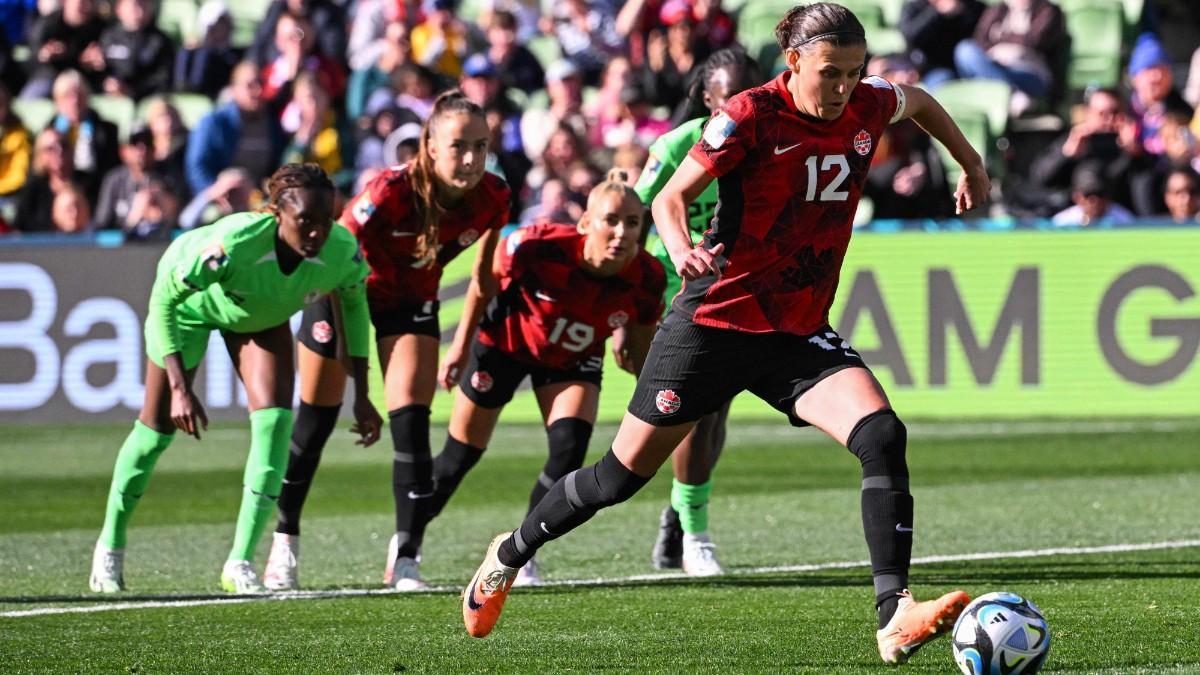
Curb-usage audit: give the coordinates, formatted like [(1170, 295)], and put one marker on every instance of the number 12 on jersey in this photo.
[(831, 193)]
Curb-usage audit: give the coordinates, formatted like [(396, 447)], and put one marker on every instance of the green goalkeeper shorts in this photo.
[(193, 342)]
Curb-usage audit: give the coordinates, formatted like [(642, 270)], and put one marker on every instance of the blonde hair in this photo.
[(424, 180), (617, 180)]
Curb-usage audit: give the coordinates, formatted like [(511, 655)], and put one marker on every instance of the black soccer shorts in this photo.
[(318, 334), (492, 376), (693, 370)]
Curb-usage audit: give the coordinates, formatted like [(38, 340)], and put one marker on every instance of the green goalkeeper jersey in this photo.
[(666, 154), (225, 276)]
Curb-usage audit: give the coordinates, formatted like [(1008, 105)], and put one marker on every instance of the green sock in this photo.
[(691, 501), (270, 436), (131, 475)]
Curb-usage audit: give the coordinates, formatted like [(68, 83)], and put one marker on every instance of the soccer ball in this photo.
[(1001, 634)]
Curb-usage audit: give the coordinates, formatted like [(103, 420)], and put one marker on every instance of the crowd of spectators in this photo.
[(570, 88)]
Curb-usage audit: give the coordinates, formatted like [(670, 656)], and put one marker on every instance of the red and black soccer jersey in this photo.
[(788, 186), (385, 219), (551, 312)]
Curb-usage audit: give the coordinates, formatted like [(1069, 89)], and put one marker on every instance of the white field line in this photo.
[(599, 581)]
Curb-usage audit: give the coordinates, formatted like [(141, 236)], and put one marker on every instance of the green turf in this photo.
[(782, 498)]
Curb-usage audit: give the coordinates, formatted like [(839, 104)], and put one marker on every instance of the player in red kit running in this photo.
[(790, 159), (410, 221), (564, 290)]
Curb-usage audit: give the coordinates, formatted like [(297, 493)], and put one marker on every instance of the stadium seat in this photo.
[(545, 48), (35, 113), (1096, 29), (882, 41), (191, 107), (246, 15), (869, 13), (990, 97), (116, 109), (177, 18), (974, 125)]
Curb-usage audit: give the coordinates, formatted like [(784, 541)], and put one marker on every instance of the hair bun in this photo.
[(617, 176)]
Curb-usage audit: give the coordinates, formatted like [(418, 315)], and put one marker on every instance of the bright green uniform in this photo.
[(225, 276), (666, 154)]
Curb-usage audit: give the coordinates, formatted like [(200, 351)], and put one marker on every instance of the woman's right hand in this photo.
[(699, 262), (453, 364), (186, 412)]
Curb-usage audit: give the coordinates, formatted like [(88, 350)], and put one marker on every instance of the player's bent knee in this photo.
[(879, 440), (605, 483), (568, 439)]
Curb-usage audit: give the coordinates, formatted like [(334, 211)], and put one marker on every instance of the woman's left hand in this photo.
[(452, 366), (973, 188), (367, 422)]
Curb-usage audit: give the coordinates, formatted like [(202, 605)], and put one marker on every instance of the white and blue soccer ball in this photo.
[(1001, 634)]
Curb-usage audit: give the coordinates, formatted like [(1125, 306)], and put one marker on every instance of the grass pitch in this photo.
[(782, 498)]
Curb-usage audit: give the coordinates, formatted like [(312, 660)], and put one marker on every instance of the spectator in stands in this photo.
[(153, 213), (1191, 89), (297, 52), (326, 21), (51, 172), (138, 57), (564, 84), (242, 132), (123, 183), (369, 21), (373, 148), (231, 193), (15, 151), (636, 20), (637, 123), (440, 41), (605, 109), (715, 28), (564, 149), (1018, 42), (12, 72), (14, 17), (314, 134), (907, 178), (551, 206), (1179, 145), (932, 29), (505, 147), (391, 52), (1093, 206), (586, 31), (518, 67), (63, 39), (206, 67), (413, 88), (168, 147), (526, 13), (1182, 195), (1177, 25), (1154, 94), (70, 212), (1105, 136), (92, 140), (671, 58)]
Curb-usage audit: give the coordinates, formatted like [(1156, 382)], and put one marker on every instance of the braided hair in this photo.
[(296, 177), (424, 180), (806, 25), (744, 72)]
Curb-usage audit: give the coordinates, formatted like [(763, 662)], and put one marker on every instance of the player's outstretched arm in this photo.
[(974, 184), (669, 209)]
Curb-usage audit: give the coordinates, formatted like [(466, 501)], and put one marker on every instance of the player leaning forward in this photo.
[(245, 275), (790, 158)]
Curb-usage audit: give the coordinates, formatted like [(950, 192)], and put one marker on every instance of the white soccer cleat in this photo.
[(700, 556), (283, 572), (402, 574), (108, 569), (238, 576), (529, 575)]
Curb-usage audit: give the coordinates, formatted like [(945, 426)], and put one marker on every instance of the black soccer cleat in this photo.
[(668, 548)]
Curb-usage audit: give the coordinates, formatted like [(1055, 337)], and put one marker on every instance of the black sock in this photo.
[(449, 468), (885, 605), (571, 502), (412, 475), (568, 440), (314, 424)]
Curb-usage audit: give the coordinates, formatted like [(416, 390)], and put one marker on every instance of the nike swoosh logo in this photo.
[(416, 495), (471, 602), (398, 233), (422, 317), (901, 528), (543, 526), (542, 296), (780, 151)]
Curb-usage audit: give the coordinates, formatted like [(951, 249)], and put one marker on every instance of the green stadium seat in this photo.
[(974, 125), (1096, 32), (177, 18), (35, 113), (246, 15), (869, 13), (886, 41), (191, 107), (116, 109), (989, 97), (545, 48)]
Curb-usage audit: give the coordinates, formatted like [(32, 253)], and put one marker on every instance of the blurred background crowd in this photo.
[(149, 116)]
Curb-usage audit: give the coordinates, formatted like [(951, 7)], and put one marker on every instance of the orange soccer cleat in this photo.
[(484, 597), (916, 623)]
